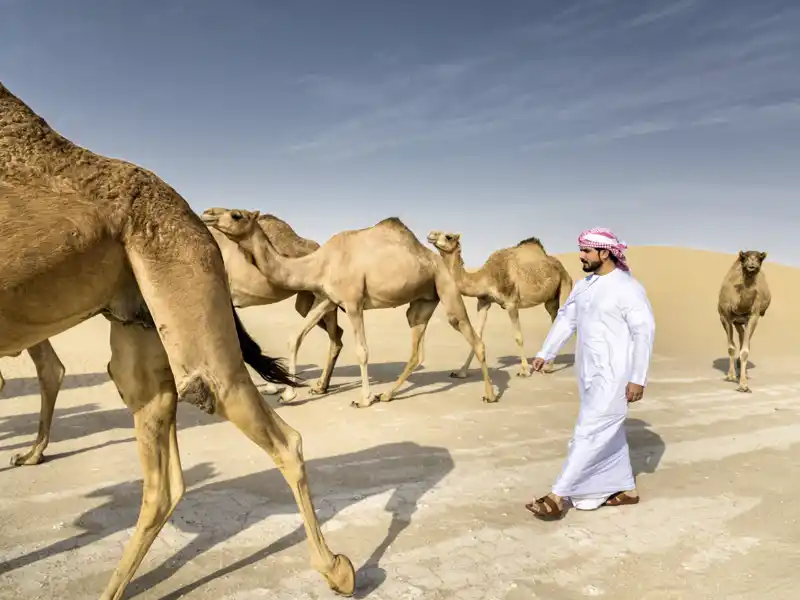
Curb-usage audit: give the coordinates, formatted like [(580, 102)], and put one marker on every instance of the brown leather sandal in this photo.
[(545, 508), (621, 499)]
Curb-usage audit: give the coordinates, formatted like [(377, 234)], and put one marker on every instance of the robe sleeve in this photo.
[(638, 314), (562, 329)]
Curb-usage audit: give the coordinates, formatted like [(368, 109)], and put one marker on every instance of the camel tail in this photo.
[(269, 368)]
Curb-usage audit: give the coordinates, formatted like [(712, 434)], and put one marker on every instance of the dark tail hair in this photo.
[(270, 369)]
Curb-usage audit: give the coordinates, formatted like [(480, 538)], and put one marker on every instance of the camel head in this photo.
[(751, 260), (445, 241), (236, 223)]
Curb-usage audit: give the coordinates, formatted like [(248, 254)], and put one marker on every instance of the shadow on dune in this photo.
[(721, 365), (382, 375), (27, 386), (407, 469), (646, 446)]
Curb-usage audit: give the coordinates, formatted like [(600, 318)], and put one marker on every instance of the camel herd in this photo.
[(83, 235)]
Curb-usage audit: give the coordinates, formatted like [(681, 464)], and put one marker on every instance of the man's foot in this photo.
[(622, 498), (547, 508)]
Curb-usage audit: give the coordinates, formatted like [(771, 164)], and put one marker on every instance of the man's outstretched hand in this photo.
[(538, 364), (634, 392)]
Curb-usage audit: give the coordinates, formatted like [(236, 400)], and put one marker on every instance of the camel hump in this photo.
[(394, 222), (535, 241)]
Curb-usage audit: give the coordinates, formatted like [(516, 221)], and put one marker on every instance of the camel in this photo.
[(522, 276), (82, 234), (250, 288), (383, 266), (744, 298), (50, 372)]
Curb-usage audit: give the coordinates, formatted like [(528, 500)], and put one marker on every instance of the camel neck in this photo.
[(468, 283), (296, 274)]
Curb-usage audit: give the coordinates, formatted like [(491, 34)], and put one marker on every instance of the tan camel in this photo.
[(522, 276), (744, 298), (249, 287), (50, 372), (383, 266), (81, 235)]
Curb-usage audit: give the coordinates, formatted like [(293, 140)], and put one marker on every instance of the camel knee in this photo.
[(158, 503), (289, 455), (454, 321)]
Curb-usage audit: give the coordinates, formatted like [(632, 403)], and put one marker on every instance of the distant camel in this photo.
[(82, 234), (744, 298), (522, 276), (382, 266), (50, 372), (249, 287)]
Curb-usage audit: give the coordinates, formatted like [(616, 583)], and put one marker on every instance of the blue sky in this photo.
[(672, 122)]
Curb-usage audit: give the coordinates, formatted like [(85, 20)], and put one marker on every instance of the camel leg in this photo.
[(513, 314), (728, 327), (2, 382), (744, 352), (483, 311), (303, 303), (330, 321), (356, 315), (141, 372), (551, 306), (419, 313), (459, 320), (50, 372), (312, 318)]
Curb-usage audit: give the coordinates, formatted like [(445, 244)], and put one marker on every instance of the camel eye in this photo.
[(449, 238), (236, 216)]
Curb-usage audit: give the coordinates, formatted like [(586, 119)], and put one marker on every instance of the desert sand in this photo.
[(426, 493)]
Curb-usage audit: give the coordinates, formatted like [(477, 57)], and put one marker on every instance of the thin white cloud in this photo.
[(572, 78)]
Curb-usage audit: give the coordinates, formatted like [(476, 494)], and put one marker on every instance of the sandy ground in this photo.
[(426, 493)]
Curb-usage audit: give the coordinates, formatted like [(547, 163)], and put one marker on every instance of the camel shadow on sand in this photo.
[(721, 365), (29, 386), (407, 469), (646, 446), (561, 362), (383, 375)]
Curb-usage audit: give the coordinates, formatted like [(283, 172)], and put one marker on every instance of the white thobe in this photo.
[(615, 326)]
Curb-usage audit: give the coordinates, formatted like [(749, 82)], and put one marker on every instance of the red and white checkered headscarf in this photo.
[(603, 239)]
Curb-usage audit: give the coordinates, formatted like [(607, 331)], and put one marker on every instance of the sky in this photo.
[(673, 122)]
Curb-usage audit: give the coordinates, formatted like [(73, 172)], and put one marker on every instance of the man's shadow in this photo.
[(646, 446), (406, 468)]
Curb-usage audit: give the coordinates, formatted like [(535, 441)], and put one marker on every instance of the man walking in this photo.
[(614, 321)]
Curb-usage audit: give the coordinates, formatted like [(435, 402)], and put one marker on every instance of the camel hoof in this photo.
[(489, 400), (730, 378), (361, 404), (382, 397), (19, 460), (745, 389), (524, 373), (342, 578), (270, 389), (315, 391), (458, 375)]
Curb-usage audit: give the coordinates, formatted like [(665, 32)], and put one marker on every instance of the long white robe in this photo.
[(615, 326)]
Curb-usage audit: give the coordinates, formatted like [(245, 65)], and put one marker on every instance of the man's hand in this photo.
[(538, 364), (634, 392)]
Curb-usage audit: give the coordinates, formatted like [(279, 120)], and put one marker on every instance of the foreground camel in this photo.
[(82, 234), (249, 287), (50, 372), (522, 276), (744, 298), (383, 266)]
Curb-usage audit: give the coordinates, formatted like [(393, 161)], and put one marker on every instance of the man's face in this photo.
[(591, 259)]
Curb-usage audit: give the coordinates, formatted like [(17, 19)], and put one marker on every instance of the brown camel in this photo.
[(383, 266), (249, 287), (522, 276), (82, 234), (50, 372), (744, 298)]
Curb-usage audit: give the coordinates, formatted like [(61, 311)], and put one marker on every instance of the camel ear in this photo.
[(763, 256), (456, 236), (741, 255), (255, 215)]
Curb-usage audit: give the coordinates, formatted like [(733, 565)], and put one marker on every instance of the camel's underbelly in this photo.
[(39, 303)]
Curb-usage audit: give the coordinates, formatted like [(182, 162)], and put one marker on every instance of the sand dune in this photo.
[(426, 493)]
